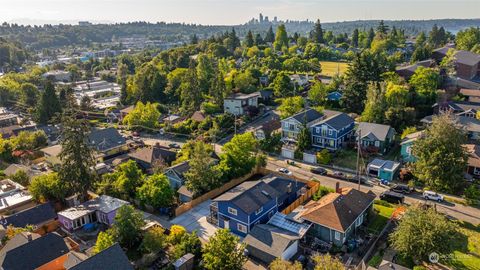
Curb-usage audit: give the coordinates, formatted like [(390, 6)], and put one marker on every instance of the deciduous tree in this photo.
[(224, 251)]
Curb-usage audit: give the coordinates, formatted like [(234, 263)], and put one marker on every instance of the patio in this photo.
[(196, 220)]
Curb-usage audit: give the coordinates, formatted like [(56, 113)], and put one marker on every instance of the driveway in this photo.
[(196, 220)]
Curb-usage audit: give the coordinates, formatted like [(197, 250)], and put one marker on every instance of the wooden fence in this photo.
[(213, 193), (314, 186)]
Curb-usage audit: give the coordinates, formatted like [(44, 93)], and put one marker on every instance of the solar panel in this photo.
[(280, 220)]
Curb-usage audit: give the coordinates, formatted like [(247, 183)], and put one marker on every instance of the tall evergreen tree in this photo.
[(194, 39), (317, 33), (191, 95), (270, 36), (281, 38), (249, 41), (259, 40), (76, 155), (49, 104), (355, 38)]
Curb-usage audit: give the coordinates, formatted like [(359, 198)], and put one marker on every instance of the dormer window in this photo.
[(259, 211)]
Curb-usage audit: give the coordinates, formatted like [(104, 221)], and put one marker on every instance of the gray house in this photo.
[(375, 135), (336, 216)]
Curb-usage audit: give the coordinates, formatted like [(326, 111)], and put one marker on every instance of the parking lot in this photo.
[(196, 220)]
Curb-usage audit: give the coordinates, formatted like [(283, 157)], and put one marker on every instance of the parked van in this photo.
[(392, 197)]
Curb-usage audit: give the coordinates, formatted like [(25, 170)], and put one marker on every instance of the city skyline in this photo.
[(227, 12)]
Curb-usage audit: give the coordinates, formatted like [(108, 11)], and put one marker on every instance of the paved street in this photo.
[(455, 211)]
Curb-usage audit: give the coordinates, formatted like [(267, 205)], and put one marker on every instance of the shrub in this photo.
[(324, 157), (176, 234), (322, 191), (382, 203), (472, 195)]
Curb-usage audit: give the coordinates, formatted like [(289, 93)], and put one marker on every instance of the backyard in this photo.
[(331, 69), (467, 252), (383, 212)]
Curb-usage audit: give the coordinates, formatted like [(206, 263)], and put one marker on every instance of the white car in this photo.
[(430, 195), (285, 171)]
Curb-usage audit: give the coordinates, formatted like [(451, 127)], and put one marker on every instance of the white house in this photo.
[(238, 103), (293, 125)]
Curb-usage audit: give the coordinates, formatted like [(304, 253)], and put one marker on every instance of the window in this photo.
[(259, 211), (377, 143), (317, 130), (359, 221), (241, 228), (330, 132), (476, 171), (337, 235), (409, 150), (232, 211)]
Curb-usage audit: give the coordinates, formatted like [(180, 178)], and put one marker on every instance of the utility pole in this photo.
[(235, 124), (358, 157)]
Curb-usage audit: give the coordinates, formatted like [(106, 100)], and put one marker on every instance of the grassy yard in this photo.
[(346, 159), (467, 253), (332, 68), (383, 211)]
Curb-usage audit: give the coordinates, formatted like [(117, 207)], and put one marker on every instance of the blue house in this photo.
[(332, 132), (383, 169), (254, 202), (406, 146)]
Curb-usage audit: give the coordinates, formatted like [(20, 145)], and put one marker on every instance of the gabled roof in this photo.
[(473, 151), (338, 211), (33, 216), (338, 121), (52, 151), (35, 253), (374, 131), (198, 116), (412, 137), (110, 258), (150, 154), (251, 195), (467, 58), (106, 139), (270, 239), (308, 115), (179, 169), (14, 168)]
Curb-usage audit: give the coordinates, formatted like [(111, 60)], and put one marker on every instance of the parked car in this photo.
[(405, 189), (431, 195), (338, 174), (285, 171), (353, 178), (392, 197), (174, 145), (318, 170)]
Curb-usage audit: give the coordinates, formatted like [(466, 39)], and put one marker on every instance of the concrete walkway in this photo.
[(196, 220)]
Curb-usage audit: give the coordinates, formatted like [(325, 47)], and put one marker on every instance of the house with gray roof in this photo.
[(378, 136), (110, 258), (107, 142), (99, 210), (175, 174), (333, 132), (238, 103), (254, 202), (34, 253), (292, 125), (469, 124), (459, 108), (37, 216), (467, 64)]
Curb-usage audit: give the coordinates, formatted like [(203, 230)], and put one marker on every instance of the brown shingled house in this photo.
[(473, 95), (336, 216), (467, 63), (473, 151)]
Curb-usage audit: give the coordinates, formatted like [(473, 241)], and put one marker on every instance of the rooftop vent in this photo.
[(265, 193)]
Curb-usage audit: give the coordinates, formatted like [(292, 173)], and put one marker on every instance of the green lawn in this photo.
[(382, 213), (332, 68), (467, 254)]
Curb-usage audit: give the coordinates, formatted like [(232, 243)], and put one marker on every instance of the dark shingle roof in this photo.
[(338, 121), (269, 239), (110, 258), (105, 139), (374, 131), (308, 115), (33, 216), (35, 253), (149, 154), (251, 195), (467, 58)]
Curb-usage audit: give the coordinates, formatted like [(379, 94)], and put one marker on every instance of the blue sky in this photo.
[(231, 11)]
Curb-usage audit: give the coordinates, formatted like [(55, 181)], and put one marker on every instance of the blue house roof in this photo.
[(338, 121), (33, 216), (251, 195), (334, 96), (308, 115)]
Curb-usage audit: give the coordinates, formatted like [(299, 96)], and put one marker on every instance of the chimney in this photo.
[(157, 144), (337, 187)]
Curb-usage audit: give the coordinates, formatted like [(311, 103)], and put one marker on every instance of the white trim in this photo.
[(242, 228), (232, 211), (259, 210), (337, 235), (229, 217), (266, 212)]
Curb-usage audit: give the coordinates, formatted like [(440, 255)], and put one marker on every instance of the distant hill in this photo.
[(39, 37)]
